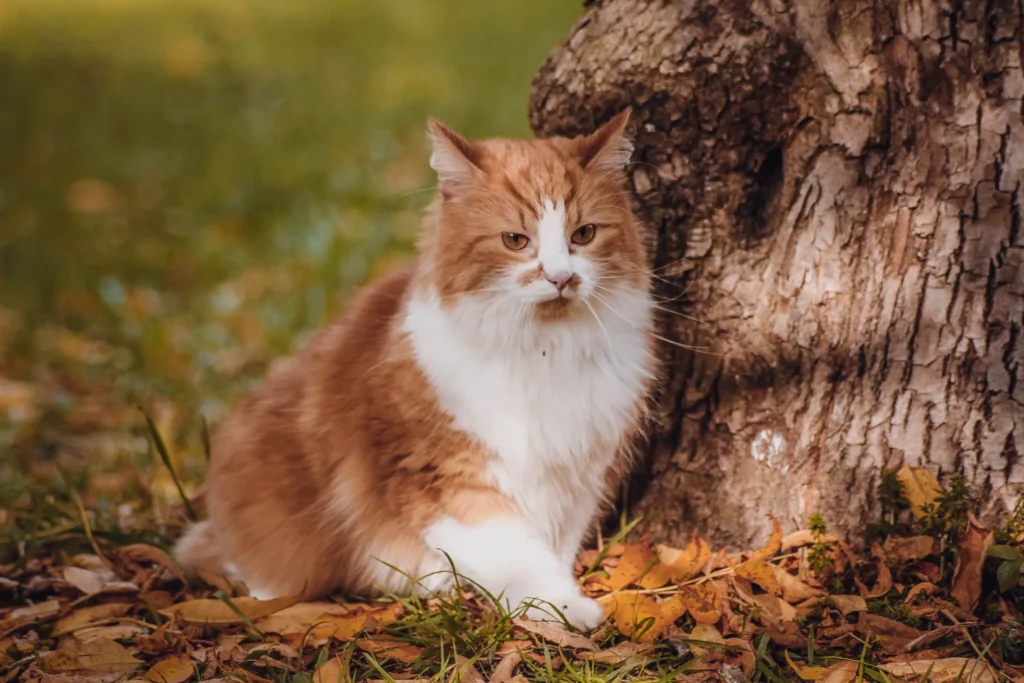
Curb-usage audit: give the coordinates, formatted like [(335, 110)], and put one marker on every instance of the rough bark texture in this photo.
[(834, 190)]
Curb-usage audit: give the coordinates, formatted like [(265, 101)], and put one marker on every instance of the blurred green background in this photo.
[(189, 187)]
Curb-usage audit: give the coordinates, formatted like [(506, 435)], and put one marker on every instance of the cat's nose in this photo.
[(560, 279)]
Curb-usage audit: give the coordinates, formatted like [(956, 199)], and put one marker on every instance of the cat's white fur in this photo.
[(551, 400)]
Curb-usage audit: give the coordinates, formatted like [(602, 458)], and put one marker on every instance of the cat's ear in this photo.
[(455, 159), (607, 148)]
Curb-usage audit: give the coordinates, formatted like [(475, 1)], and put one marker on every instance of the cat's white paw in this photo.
[(581, 612)]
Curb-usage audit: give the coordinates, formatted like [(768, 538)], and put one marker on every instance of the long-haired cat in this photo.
[(477, 405)]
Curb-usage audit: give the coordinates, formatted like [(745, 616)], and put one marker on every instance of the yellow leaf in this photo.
[(761, 573), (658, 576), (340, 627), (685, 564), (637, 611), (703, 602), (793, 589), (99, 654), (920, 487), (87, 616), (773, 545), (806, 673), (332, 671), (616, 655), (299, 617), (632, 565), (218, 613), (171, 670), (705, 633)]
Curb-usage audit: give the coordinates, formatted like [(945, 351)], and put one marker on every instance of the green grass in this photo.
[(189, 187)]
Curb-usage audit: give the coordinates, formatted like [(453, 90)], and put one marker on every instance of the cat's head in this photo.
[(545, 224)]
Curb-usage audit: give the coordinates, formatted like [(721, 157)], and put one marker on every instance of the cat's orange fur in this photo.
[(345, 455)]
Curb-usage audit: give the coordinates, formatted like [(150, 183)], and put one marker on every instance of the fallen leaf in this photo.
[(704, 633), (793, 589), (920, 487), (40, 611), (926, 588), (89, 582), (685, 564), (218, 613), (503, 673), (703, 602), (773, 545), (141, 553), (943, 670), (88, 616), (616, 655), (799, 539), (175, 669), (112, 632), (894, 635), (555, 633), (332, 671), (848, 604), (390, 649), (98, 654), (464, 672), (761, 573), (298, 617), (840, 672), (632, 564), (967, 576), (909, 549), (341, 627), (806, 673), (635, 610)]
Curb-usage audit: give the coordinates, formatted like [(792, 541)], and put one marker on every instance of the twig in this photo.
[(88, 530)]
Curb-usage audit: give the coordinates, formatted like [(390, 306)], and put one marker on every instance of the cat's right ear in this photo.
[(456, 160)]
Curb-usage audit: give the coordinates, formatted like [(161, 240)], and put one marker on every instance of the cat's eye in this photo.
[(584, 234), (515, 241)]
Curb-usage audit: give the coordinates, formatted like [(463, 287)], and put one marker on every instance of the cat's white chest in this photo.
[(552, 403)]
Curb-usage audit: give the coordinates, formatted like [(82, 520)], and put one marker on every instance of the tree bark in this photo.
[(833, 189)]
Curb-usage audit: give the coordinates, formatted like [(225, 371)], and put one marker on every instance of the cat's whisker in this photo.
[(656, 306), (598, 319)]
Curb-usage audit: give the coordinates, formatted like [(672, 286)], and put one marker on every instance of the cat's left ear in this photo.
[(607, 148), (455, 159)]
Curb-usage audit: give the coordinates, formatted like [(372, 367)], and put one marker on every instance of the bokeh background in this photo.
[(188, 188)]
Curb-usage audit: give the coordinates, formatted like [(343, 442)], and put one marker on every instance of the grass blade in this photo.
[(161, 448)]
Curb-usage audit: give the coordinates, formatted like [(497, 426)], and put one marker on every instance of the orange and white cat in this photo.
[(478, 404)]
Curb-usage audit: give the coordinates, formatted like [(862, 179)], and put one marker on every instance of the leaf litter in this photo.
[(806, 606)]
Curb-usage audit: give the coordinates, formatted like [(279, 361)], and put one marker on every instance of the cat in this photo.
[(473, 409)]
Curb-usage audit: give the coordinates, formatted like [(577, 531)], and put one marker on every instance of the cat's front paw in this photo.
[(581, 612)]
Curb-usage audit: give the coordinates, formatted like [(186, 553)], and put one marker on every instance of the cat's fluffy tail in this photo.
[(197, 550)]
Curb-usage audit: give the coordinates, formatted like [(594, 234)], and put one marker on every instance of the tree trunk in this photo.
[(833, 189)]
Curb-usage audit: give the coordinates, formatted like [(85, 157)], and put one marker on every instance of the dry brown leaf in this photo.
[(504, 672), (703, 602), (882, 584), (909, 549), (840, 672), (89, 582), (806, 673), (175, 669), (799, 539), (99, 654), (943, 670), (113, 632), (894, 635), (616, 655), (555, 633), (967, 576), (793, 589), (40, 611), (685, 564), (632, 565), (218, 613), (141, 553), (390, 649), (332, 671), (299, 617), (761, 573), (464, 672), (848, 604), (87, 616), (773, 545), (920, 487), (927, 588), (704, 633)]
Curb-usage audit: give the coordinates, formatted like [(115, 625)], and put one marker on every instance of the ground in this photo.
[(188, 189)]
